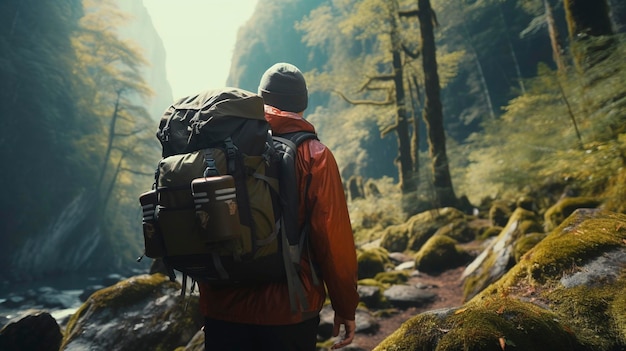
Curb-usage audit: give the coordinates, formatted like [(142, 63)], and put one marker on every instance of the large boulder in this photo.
[(145, 312), (32, 331), (499, 256), (566, 293)]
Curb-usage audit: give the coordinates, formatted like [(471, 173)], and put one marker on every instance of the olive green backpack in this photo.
[(223, 208)]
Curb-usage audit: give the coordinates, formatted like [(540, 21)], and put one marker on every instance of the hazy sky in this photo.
[(208, 27)]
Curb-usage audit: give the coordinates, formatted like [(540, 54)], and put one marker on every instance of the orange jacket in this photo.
[(332, 246)]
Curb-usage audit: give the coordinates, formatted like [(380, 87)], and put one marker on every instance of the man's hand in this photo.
[(349, 326)]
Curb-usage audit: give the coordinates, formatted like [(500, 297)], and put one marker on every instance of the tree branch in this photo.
[(385, 77), (433, 17), (388, 130), (388, 101), (416, 13), (410, 13), (411, 54)]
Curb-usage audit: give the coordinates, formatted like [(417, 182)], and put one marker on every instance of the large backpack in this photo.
[(223, 208)]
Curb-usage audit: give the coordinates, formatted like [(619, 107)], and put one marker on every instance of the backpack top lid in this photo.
[(231, 102), (208, 118)]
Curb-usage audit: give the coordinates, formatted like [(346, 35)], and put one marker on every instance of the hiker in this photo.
[(259, 317)]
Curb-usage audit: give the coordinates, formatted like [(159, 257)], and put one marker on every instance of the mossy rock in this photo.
[(459, 230), (498, 257), (372, 261), (615, 192), (577, 270), (424, 225), (439, 254), (371, 296), (145, 312), (499, 213), (566, 293), (489, 233), (370, 282), (395, 237), (526, 202), (556, 214), (392, 277), (491, 325), (525, 243)]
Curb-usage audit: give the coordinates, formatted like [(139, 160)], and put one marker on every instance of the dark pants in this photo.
[(227, 336)]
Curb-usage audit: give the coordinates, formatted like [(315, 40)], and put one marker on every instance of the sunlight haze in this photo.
[(199, 38)]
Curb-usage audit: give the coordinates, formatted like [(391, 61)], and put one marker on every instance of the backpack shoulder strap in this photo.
[(297, 138), (293, 238)]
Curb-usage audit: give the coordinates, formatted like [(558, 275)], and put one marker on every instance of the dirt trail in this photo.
[(449, 292)]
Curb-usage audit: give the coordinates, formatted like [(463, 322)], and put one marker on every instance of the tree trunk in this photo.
[(512, 50), (406, 175), (107, 154), (433, 114), (555, 40), (415, 139)]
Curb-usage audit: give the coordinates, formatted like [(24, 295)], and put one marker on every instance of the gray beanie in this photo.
[(283, 86)]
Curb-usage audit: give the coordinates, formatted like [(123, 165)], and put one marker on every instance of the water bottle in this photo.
[(215, 200), (153, 240)]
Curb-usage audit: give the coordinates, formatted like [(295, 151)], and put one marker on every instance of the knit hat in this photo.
[(283, 86)]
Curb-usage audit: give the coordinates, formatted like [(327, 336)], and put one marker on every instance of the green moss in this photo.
[(556, 214), (526, 202), (392, 277), (110, 300), (525, 243), (529, 308), (128, 291), (458, 230), (438, 254), (370, 282), (325, 345), (489, 325), (424, 225), (417, 334), (486, 271), (592, 313), (124, 292), (568, 246), (378, 300), (519, 325), (499, 213), (490, 232), (530, 226), (395, 238), (586, 240), (618, 311), (372, 261), (615, 192)]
